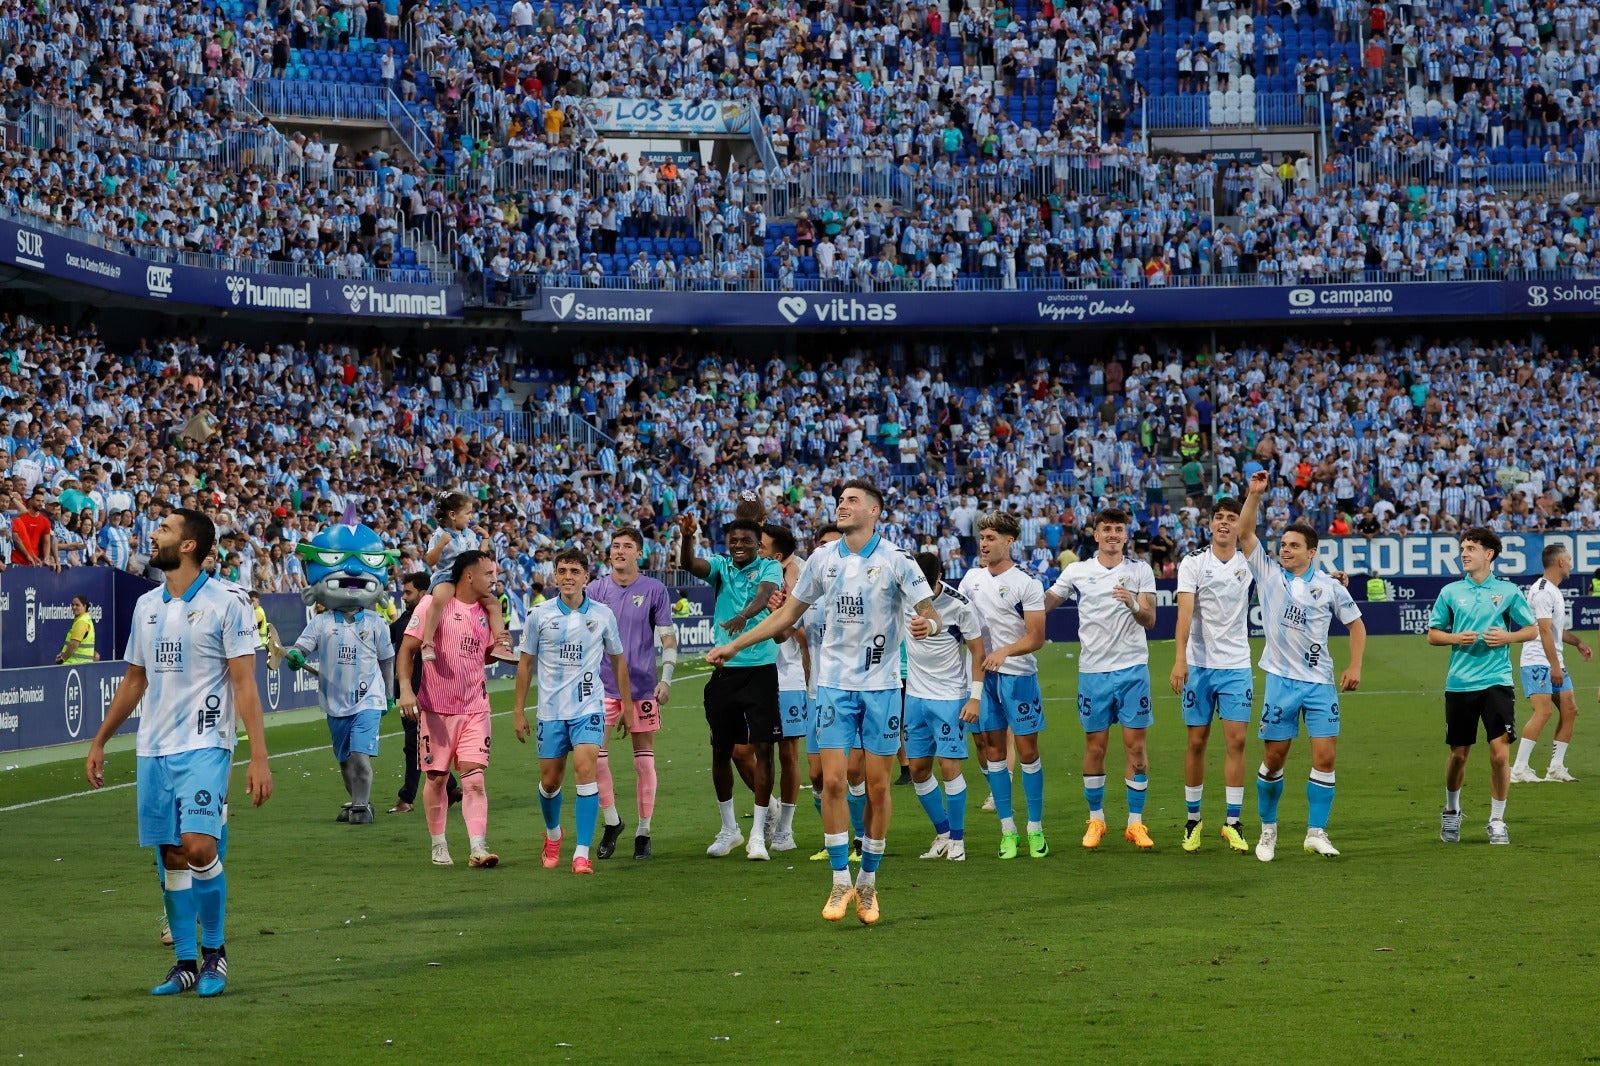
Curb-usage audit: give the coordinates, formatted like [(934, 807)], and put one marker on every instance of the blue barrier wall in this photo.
[(41, 706), (1195, 305)]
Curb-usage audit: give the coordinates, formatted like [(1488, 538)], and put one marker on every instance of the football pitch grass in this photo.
[(346, 944)]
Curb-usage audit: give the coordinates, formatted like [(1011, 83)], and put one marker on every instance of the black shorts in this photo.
[(742, 706), (1495, 707)]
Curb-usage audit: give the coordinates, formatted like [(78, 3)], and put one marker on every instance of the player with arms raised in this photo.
[(1116, 604), (741, 698), (865, 585), (568, 639), (1010, 606), (1212, 669), (643, 610), (1298, 605), (192, 660), (453, 700)]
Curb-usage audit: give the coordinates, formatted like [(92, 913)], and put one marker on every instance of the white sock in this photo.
[(478, 843), (758, 825), (785, 818), (730, 822), (610, 815), (1525, 748), (1560, 756), (1008, 825), (553, 834), (438, 838), (1452, 800), (644, 828), (1193, 793), (1497, 810), (1135, 819), (580, 852), (1035, 827), (1233, 795)]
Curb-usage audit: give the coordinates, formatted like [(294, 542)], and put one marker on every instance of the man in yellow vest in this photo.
[(1377, 589), (79, 647), (260, 616)]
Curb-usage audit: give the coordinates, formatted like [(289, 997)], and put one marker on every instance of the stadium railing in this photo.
[(525, 427), (230, 263), (836, 174), (257, 146), (1048, 283), (1199, 111), (1557, 179), (342, 101)]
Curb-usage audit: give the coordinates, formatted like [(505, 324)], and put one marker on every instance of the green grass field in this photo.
[(345, 942)]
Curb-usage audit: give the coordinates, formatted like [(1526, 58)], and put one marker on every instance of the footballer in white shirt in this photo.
[(564, 643), (944, 690), (1211, 670), (1298, 603), (192, 661), (1544, 675), (867, 587), (1116, 605), (1011, 606)]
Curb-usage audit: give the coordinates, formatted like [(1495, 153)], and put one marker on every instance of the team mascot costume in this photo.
[(347, 570)]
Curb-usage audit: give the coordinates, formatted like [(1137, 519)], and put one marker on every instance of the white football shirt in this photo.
[(1001, 602), (568, 646), (1219, 635), (349, 655), (1296, 615), (791, 664), (1108, 636), (1546, 601), (184, 645), (937, 668), (865, 596)]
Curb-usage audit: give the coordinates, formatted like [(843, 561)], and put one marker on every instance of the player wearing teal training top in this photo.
[(741, 697), (1479, 618)]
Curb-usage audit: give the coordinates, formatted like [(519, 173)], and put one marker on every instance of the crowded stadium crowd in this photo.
[(1382, 437), (912, 146)]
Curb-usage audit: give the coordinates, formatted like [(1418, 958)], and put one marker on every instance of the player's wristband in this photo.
[(977, 691)]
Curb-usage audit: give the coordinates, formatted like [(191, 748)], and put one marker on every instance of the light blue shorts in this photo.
[(813, 745), (355, 733), (797, 715), (1011, 701), (1287, 701), (1536, 682), (934, 727), (557, 738), (1117, 696), (1225, 694), (850, 719), (182, 793)]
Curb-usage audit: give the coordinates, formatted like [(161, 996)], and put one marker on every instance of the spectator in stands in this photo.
[(32, 542)]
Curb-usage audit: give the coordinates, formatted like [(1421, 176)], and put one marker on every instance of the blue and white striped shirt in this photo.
[(569, 648)]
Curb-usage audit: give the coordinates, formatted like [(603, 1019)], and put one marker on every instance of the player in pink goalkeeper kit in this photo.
[(452, 699)]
